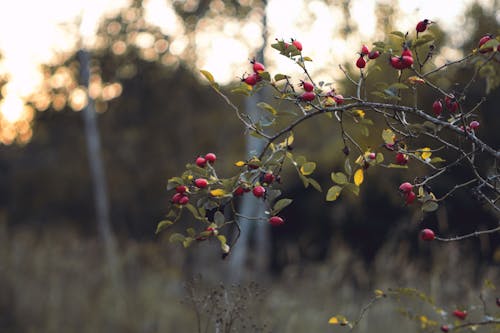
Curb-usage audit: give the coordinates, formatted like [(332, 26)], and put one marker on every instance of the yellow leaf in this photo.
[(287, 142), (333, 321), (329, 101), (379, 293), (217, 192), (208, 76), (415, 80), (239, 163), (359, 113), (358, 177), (190, 177), (388, 136), (425, 153)]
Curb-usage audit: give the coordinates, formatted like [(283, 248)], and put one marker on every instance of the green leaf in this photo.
[(353, 188), (222, 239), (304, 179), (242, 89), (300, 160), (397, 166), (437, 159), (339, 178), (315, 184), (162, 225), (492, 43), (379, 158), (424, 39), (187, 241), (333, 193), (378, 94), (364, 130), (176, 238), (265, 76), (398, 34), (398, 85), (279, 77), (173, 182), (191, 232), (267, 107), (208, 76), (307, 168), (219, 218), (347, 167), (430, 206), (194, 211), (281, 204)]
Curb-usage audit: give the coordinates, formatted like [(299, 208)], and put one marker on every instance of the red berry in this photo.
[(364, 50), (268, 178), (407, 61), (361, 63), (181, 189), (339, 99), (406, 52), (401, 159), (201, 183), (257, 67), (308, 96), (308, 86), (406, 187), (451, 103), (239, 191), (437, 107), (396, 63), (484, 40), (422, 25), (474, 124), (276, 221), (183, 200), (373, 55), (259, 191), (445, 328), (410, 197), (427, 235), (252, 80), (210, 157), (460, 314), (201, 162), (176, 197), (297, 44), (372, 156)]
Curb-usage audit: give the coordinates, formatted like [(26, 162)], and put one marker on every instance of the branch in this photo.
[(473, 234)]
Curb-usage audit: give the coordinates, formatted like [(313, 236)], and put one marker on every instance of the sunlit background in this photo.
[(223, 47)]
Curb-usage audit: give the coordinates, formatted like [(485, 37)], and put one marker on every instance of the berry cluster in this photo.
[(365, 52), (255, 77), (259, 190), (407, 191), (405, 60), (181, 195)]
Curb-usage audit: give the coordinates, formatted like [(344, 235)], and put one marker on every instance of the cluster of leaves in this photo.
[(412, 134)]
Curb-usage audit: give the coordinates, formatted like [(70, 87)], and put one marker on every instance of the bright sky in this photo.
[(32, 31)]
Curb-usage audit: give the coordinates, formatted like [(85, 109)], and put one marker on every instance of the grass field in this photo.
[(58, 281)]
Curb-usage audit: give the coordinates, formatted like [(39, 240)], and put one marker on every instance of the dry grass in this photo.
[(57, 281)]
